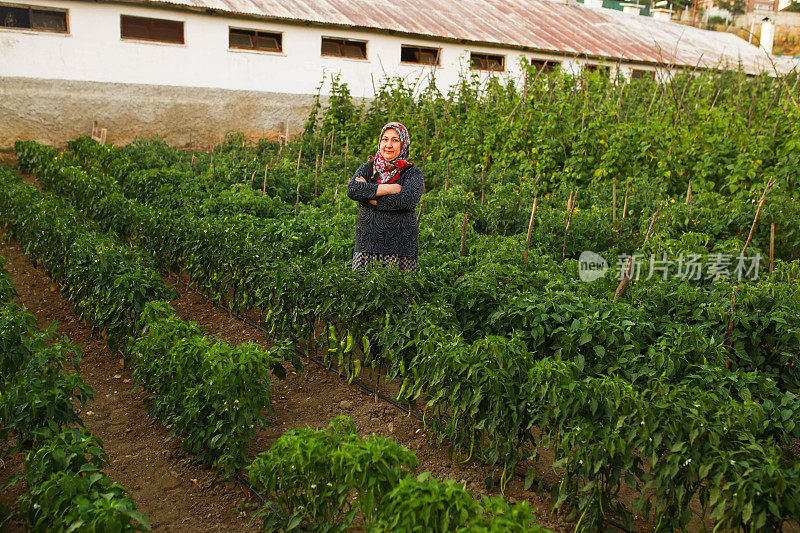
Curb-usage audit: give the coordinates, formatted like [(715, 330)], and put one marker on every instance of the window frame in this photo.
[(641, 74), (487, 55), (603, 70), (240, 49), (344, 40), (31, 8), (152, 41), (421, 47), (547, 66)]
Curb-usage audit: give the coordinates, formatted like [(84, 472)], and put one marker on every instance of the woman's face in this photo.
[(390, 145)]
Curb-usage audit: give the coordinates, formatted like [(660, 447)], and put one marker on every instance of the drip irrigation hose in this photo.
[(367, 388)]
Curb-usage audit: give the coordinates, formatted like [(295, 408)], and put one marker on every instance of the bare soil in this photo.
[(175, 492)]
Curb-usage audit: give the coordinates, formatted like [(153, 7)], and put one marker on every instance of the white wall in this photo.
[(94, 51)]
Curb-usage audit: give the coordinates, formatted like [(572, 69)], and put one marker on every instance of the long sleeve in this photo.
[(361, 191), (408, 197)]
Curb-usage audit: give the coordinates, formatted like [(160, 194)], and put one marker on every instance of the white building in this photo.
[(190, 70)]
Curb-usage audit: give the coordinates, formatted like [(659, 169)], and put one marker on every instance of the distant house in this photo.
[(191, 70)]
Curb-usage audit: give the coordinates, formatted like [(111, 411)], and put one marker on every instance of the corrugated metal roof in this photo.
[(536, 25)]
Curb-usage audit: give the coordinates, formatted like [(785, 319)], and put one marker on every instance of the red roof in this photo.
[(551, 27)]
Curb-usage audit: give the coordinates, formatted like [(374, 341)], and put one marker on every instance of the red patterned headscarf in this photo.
[(389, 170)]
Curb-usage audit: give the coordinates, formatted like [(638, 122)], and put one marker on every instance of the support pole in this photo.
[(614, 203), (771, 247), (463, 250), (569, 221), (625, 204), (770, 183), (530, 228), (316, 174), (626, 275), (346, 151)]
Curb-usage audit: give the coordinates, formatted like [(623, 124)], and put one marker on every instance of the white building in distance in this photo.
[(192, 70)]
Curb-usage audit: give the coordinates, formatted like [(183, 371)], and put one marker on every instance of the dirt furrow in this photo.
[(176, 493)]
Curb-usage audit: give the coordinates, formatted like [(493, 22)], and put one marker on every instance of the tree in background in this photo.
[(734, 7)]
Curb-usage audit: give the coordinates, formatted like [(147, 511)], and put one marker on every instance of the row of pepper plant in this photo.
[(218, 394), (515, 322), (172, 360), (41, 397), (325, 480)]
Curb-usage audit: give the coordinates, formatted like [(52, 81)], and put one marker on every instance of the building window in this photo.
[(344, 48), (147, 29), (603, 70), (255, 40), (420, 55), (33, 18), (545, 65), (638, 74), (487, 62)]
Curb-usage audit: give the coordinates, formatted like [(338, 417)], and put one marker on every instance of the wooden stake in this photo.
[(316, 174), (771, 247), (625, 204), (322, 166), (445, 184), (626, 275), (264, 187), (419, 213), (770, 183), (569, 221), (346, 150), (689, 192), (569, 205), (730, 326), (463, 250), (280, 152), (530, 228), (297, 200), (299, 153), (213, 168), (335, 193), (614, 203), (252, 177)]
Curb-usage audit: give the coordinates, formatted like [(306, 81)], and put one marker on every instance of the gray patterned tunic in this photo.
[(390, 228)]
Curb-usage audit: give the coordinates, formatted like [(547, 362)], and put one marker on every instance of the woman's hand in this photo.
[(362, 180), (384, 189), (388, 188)]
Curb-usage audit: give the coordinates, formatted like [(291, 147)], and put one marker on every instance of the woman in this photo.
[(387, 189)]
